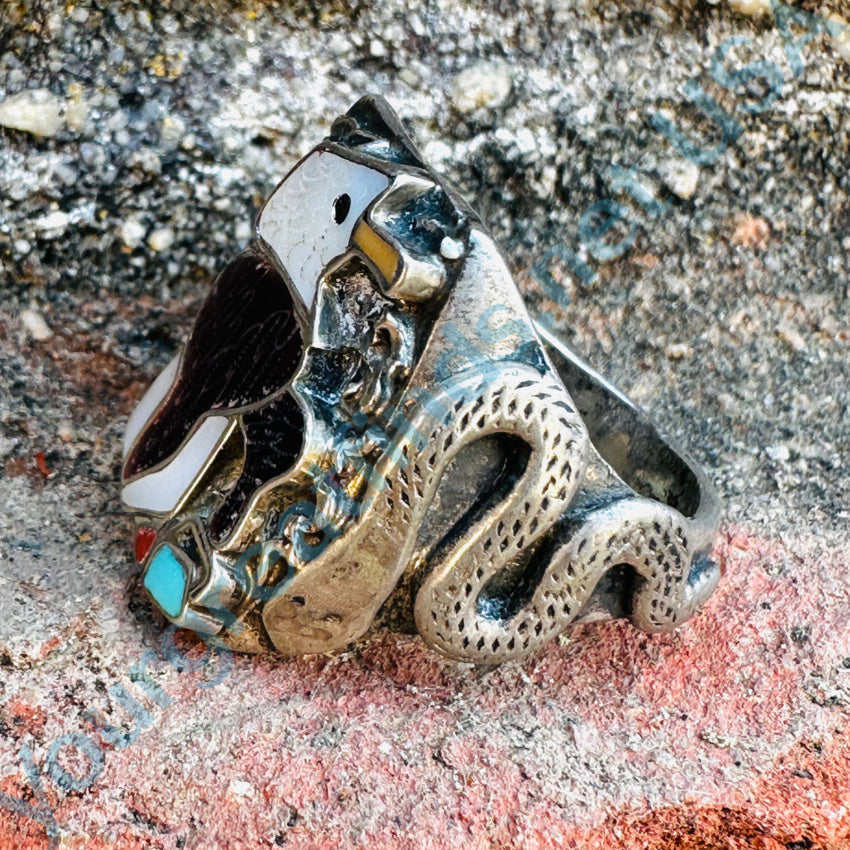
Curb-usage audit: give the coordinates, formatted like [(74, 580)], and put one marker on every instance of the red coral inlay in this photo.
[(145, 538)]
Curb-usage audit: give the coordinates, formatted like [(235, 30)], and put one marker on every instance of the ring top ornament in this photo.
[(366, 420)]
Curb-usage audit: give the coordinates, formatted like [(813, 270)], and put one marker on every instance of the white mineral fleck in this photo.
[(161, 239), (525, 141), (778, 452), (76, 114), (486, 85), (145, 159), (680, 177), (241, 788), (172, 131), (35, 325), (587, 115), (53, 224), (36, 111), (678, 350), (243, 232), (437, 152), (76, 108), (132, 232), (750, 7)]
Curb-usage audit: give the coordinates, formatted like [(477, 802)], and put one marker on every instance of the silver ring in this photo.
[(365, 426)]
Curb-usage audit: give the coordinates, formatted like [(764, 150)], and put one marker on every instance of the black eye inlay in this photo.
[(341, 207)]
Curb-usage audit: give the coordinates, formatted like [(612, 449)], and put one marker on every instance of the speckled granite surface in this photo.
[(136, 174)]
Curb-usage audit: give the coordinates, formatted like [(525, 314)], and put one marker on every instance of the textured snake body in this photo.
[(448, 607)]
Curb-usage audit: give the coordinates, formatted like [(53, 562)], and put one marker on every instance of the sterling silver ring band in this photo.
[(367, 429)]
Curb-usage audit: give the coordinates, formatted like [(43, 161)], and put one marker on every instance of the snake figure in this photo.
[(365, 417)]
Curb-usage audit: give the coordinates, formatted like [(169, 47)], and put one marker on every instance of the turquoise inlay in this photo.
[(165, 580)]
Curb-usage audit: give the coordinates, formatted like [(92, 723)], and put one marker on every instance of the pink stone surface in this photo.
[(731, 732)]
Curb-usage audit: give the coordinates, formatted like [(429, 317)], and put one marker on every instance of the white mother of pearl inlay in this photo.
[(163, 491), (303, 222), (150, 402)]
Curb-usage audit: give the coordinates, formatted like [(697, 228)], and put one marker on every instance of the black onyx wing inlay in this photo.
[(273, 438), (245, 346)]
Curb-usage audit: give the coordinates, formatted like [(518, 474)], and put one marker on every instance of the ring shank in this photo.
[(651, 465)]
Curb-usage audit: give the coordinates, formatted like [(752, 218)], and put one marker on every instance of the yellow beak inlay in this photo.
[(383, 255)]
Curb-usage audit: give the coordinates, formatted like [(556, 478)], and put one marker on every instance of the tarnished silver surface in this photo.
[(414, 430)]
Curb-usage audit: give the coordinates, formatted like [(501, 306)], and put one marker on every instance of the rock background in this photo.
[(164, 125)]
